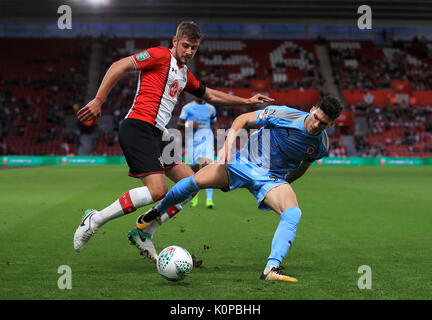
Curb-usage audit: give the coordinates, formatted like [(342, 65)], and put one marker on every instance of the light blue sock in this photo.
[(284, 235), (209, 193), (181, 191)]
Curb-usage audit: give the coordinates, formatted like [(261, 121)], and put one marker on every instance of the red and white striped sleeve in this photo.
[(193, 86), (151, 58)]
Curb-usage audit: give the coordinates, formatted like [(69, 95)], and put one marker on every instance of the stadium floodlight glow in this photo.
[(97, 2)]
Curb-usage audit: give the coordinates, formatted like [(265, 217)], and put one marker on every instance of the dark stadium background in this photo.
[(294, 51)]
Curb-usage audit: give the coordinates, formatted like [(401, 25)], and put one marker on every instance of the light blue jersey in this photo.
[(200, 142), (270, 153), (274, 150)]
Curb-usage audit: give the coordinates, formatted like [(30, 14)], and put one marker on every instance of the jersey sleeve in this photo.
[(184, 113), (151, 58), (258, 117), (213, 117), (280, 116), (193, 86), (261, 117)]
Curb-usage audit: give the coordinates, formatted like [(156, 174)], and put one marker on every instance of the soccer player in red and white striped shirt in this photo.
[(163, 75)]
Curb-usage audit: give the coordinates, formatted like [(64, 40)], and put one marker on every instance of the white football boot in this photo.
[(144, 242), (142, 235), (85, 230)]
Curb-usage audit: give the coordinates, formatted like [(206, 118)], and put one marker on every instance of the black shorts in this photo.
[(143, 147)]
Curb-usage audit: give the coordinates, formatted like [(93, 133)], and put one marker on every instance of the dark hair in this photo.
[(330, 106), (190, 30)]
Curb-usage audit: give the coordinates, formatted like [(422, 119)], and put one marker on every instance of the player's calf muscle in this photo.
[(158, 192), (157, 189), (179, 172)]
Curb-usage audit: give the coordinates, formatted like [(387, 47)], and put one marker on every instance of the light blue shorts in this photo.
[(252, 177)]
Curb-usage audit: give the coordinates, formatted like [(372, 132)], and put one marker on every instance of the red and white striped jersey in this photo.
[(161, 80)]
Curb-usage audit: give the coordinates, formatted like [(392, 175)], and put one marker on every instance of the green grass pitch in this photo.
[(351, 216)]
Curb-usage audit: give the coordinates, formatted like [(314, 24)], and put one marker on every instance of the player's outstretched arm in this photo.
[(245, 119), (216, 97), (297, 173), (93, 109)]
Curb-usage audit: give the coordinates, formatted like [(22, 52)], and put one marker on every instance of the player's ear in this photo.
[(174, 41)]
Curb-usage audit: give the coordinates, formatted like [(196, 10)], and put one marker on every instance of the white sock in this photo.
[(138, 197), (164, 217)]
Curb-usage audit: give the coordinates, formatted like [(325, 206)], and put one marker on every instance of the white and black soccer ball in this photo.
[(174, 263)]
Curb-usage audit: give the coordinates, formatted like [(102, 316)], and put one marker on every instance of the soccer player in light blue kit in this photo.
[(198, 118), (275, 156)]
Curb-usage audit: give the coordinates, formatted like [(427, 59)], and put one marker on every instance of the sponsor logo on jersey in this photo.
[(310, 150), (142, 56), (267, 113), (175, 89)]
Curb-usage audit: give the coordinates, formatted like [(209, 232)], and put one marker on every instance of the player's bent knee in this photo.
[(199, 182), (281, 198), (289, 199), (282, 204), (158, 193), (291, 202)]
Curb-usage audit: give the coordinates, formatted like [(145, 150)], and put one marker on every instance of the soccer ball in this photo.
[(174, 263)]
